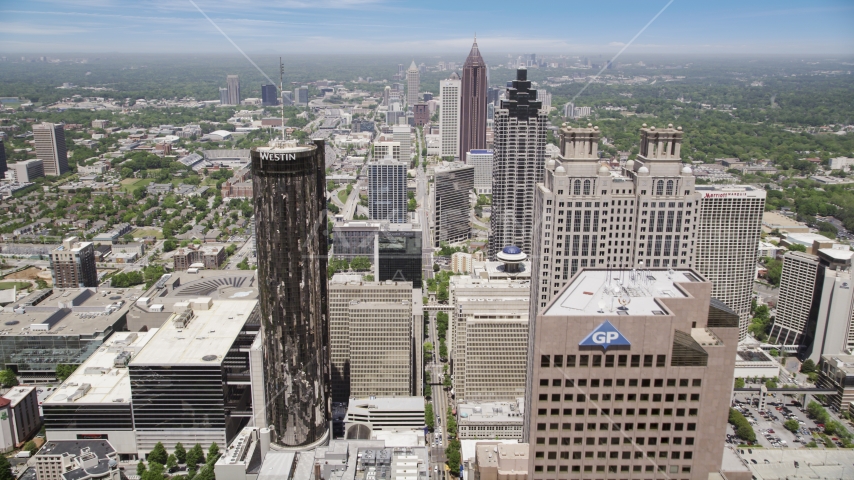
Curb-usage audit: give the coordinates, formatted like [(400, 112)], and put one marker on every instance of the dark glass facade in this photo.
[(400, 256), (290, 222), (170, 397), (473, 103), (88, 417)]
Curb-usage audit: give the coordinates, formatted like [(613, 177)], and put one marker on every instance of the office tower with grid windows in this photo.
[(729, 221), (815, 309), (452, 185), (449, 117), (387, 190), (371, 341), (473, 102), (518, 164), (233, 85), (488, 338), (50, 147), (3, 167), (481, 160), (402, 134), (290, 225), (630, 376), (413, 84)]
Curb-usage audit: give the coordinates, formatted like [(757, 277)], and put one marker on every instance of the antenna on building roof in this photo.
[(281, 94)]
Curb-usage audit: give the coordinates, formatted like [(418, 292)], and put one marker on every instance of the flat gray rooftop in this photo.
[(599, 292), (204, 341), (79, 312)]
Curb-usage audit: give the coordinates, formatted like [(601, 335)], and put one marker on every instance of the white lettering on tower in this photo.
[(278, 157)]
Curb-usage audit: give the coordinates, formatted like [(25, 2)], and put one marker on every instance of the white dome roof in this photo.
[(604, 169), (550, 164), (643, 170), (560, 169), (687, 170), (630, 165)]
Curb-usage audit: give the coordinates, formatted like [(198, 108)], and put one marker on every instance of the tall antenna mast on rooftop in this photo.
[(281, 94)]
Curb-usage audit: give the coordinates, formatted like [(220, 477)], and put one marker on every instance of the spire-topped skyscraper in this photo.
[(473, 105), (413, 83)]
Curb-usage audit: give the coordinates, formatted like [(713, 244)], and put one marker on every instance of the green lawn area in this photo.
[(9, 285), (148, 232), (131, 184), (342, 195)]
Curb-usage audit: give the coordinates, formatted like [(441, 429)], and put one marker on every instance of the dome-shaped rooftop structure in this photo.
[(550, 164), (630, 165), (686, 170), (512, 257), (560, 169), (604, 170), (643, 170)]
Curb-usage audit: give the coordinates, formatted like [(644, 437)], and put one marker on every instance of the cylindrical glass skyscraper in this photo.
[(290, 224)]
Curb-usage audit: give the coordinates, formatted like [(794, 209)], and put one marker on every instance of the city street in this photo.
[(440, 403)]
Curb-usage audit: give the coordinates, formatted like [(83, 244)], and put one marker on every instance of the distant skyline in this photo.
[(45, 27)]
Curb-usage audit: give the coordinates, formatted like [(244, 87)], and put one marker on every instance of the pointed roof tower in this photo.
[(474, 59), (413, 66), (473, 102)]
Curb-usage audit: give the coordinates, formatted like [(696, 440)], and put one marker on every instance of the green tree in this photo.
[(206, 473), (244, 264), (792, 425), (436, 267), (428, 351), (63, 371), (808, 367), (195, 456), (180, 453), (453, 455), (31, 447), (156, 471), (739, 383), (8, 378), (771, 383), (5, 469), (229, 250), (429, 417), (742, 427), (360, 264), (171, 462), (169, 245), (213, 454), (158, 454), (797, 248), (140, 468)]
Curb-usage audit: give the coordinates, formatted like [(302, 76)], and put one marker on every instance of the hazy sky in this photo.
[(396, 26)]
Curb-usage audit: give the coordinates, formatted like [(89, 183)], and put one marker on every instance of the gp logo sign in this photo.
[(605, 335)]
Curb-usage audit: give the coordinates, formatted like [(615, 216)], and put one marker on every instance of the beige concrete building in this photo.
[(630, 374), (450, 92), (798, 287), (501, 461), (647, 215), (488, 338), (837, 372), (372, 341), (387, 150), (461, 262)]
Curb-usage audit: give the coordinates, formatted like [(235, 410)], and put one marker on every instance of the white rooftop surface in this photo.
[(388, 403), (813, 463), (806, 238), (493, 412), (16, 394), (837, 253), (108, 383), (210, 332), (468, 448), (587, 295)]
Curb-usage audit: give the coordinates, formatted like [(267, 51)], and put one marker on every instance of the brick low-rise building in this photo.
[(211, 256)]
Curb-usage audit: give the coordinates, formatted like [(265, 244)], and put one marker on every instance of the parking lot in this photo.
[(770, 432)]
